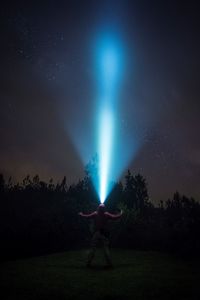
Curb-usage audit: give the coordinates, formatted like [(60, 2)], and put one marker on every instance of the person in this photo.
[(101, 218)]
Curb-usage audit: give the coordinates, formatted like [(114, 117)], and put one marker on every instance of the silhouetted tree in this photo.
[(63, 185), (39, 217), (115, 198), (136, 194), (140, 191), (129, 191)]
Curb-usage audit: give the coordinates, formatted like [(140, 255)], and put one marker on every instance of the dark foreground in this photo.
[(136, 275)]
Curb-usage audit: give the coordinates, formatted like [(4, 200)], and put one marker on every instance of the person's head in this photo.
[(101, 208)]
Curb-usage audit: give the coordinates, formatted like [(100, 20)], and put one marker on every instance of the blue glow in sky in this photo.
[(108, 57), (109, 62), (102, 127), (106, 136)]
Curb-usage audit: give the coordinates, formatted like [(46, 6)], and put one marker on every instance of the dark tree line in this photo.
[(38, 217)]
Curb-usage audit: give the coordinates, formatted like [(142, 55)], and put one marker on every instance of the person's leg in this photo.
[(107, 251), (93, 248)]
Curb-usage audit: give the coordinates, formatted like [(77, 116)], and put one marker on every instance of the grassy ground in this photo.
[(136, 275)]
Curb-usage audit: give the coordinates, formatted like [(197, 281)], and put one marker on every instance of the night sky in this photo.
[(48, 89)]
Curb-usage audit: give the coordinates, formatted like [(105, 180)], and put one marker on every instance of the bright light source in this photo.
[(109, 69), (112, 141), (105, 149)]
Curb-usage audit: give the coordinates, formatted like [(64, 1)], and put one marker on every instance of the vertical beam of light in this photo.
[(109, 65), (105, 149)]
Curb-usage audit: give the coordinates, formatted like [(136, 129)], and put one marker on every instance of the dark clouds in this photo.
[(48, 85)]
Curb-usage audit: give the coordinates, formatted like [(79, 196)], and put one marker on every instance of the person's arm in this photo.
[(114, 216), (87, 215)]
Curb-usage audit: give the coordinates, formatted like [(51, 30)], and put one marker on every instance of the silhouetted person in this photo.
[(100, 217)]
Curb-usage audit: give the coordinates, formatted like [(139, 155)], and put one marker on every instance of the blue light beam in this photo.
[(105, 150), (109, 71)]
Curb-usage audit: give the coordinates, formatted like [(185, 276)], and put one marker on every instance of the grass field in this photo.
[(136, 275)]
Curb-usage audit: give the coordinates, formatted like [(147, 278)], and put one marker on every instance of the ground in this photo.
[(136, 275)]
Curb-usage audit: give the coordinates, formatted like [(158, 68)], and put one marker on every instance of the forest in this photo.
[(38, 217)]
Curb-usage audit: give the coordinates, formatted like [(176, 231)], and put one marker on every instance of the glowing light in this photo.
[(105, 149), (109, 70), (115, 140)]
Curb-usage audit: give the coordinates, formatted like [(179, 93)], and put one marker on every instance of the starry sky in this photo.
[(48, 89)]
